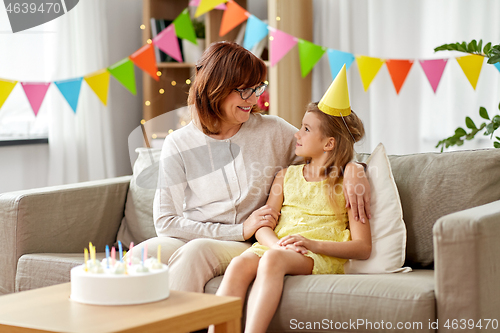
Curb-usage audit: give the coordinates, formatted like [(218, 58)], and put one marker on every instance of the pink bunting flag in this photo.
[(280, 44), (167, 42), (433, 69), (35, 93)]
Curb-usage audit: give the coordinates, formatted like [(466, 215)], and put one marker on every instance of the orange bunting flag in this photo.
[(6, 87), (368, 69), (207, 5), (233, 16), (144, 58), (398, 69), (471, 65), (99, 83)]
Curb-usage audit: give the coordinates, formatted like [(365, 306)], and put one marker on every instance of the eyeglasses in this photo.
[(247, 93)]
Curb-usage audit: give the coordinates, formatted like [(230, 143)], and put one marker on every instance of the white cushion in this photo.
[(387, 226), (137, 224)]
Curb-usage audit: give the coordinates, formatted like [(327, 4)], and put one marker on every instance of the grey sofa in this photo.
[(451, 207)]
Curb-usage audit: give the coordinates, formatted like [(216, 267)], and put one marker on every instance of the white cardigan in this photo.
[(208, 187)]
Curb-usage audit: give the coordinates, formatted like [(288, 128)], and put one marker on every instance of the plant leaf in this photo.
[(483, 113), (471, 47), (462, 47), (496, 144), (487, 48), (496, 120), (460, 132), (480, 45), (470, 123), (494, 59)]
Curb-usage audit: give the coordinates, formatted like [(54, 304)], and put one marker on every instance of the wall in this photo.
[(24, 167)]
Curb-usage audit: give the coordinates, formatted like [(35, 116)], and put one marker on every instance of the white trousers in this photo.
[(192, 264)]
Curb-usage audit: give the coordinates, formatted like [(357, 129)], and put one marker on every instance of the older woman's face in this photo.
[(237, 110)]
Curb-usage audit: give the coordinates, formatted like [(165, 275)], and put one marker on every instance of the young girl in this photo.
[(313, 235)]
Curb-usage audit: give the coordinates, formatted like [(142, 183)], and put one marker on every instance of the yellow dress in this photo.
[(307, 211)]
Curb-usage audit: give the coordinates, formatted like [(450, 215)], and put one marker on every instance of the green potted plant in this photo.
[(458, 139), (193, 52)]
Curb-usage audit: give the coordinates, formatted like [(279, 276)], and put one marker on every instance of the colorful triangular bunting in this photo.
[(309, 55), (70, 89), (255, 31), (280, 43), (497, 65), (123, 71), (337, 60), (398, 69), (433, 69), (232, 17), (167, 42), (6, 87), (145, 59), (195, 3), (99, 83), (35, 93), (368, 69), (207, 5), (471, 65), (184, 27)]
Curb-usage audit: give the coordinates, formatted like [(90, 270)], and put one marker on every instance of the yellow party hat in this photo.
[(335, 101)]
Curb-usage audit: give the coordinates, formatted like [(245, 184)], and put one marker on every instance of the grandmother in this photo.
[(216, 172)]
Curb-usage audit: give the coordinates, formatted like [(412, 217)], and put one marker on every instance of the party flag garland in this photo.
[(280, 44)]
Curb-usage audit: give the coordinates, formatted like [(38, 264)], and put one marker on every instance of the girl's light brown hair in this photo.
[(343, 150), (223, 67)]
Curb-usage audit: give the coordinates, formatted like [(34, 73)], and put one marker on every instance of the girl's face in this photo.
[(237, 110), (310, 140)]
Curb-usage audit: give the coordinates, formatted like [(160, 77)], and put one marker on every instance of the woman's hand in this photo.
[(265, 216), (357, 191), (298, 243)]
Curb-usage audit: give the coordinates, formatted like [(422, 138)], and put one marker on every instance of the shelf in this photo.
[(175, 65)]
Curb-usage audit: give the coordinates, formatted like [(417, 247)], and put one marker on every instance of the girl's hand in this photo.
[(298, 241), (290, 247), (265, 216)]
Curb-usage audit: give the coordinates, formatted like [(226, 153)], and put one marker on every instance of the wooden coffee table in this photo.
[(51, 310)]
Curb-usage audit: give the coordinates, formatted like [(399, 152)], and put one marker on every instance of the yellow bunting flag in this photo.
[(6, 87), (99, 83), (207, 5), (471, 65), (368, 69)]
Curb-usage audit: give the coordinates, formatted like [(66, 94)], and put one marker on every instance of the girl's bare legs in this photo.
[(238, 276), (268, 286)]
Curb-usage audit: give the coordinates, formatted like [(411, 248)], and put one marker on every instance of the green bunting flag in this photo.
[(309, 54), (184, 27), (123, 71)]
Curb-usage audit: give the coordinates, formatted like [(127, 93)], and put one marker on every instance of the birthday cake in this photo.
[(119, 282)]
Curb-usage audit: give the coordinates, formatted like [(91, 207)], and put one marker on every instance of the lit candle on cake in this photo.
[(107, 256), (120, 250), (158, 255), (130, 253), (92, 255), (86, 258), (125, 264), (142, 257), (113, 256)]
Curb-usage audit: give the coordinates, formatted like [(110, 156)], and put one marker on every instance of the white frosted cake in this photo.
[(96, 283)]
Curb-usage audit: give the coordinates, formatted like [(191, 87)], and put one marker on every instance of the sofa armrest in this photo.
[(59, 219), (467, 264)]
